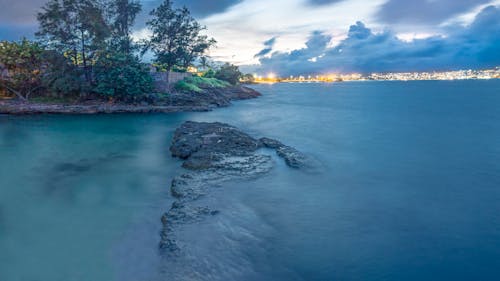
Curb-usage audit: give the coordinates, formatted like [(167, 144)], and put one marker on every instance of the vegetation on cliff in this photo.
[(84, 51)]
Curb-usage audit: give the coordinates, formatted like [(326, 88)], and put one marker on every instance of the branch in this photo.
[(17, 93)]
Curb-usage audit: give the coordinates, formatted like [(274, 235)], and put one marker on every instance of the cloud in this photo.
[(425, 12), (20, 15), (199, 8), (19, 12), (476, 45), (269, 44), (323, 2)]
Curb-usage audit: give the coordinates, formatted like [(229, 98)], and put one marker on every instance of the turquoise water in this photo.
[(407, 188)]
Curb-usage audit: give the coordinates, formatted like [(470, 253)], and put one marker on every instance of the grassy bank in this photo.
[(197, 84)]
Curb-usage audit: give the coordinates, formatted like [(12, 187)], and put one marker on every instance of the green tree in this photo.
[(123, 15), (204, 62), (194, 43), (22, 64), (167, 28), (61, 77), (75, 28), (122, 76), (176, 38), (229, 72), (248, 78)]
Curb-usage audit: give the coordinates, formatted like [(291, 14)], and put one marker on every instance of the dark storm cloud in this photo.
[(18, 17), (477, 45), (424, 11), (269, 44), (199, 8)]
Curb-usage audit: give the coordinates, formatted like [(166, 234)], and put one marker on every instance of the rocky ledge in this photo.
[(214, 153), (176, 102)]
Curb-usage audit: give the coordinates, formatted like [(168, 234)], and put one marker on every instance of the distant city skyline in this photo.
[(290, 37), (477, 74)]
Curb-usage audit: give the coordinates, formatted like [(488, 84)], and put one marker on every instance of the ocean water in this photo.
[(407, 187)]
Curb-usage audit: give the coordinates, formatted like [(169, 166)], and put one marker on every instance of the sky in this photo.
[(294, 37)]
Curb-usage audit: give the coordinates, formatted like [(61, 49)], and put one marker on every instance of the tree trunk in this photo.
[(168, 77), (17, 93), (84, 58)]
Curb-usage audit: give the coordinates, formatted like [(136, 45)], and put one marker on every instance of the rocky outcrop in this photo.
[(214, 153), (22, 108), (207, 100), (212, 97)]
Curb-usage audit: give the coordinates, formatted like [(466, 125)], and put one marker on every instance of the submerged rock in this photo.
[(214, 153), (292, 156)]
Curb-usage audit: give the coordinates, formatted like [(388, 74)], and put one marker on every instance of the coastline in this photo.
[(207, 100)]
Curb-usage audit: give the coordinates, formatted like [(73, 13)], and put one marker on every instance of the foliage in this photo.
[(54, 100), (61, 77), (85, 50), (229, 72), (248, 78), (185, 86), (197, 84), (205, 82), (75, 28), (84, 32), (122, 76), (123, 14), (209, 73), (21, 66), (176, 38)]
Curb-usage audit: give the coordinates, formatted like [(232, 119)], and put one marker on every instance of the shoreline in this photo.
[(207, 100)]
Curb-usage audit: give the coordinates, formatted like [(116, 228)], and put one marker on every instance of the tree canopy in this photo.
[(21, 67), (229, 72), (85, 48), (176, 36)]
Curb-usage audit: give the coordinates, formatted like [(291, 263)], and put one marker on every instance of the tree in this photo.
[(248, 78), (22, 67), (195, 44), (61, 77), (75, 28), (229, 72), (123, 15), (176, 38), (122, 76), (204, 62)]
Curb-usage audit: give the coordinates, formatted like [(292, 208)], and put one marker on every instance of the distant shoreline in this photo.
[(372, 80)]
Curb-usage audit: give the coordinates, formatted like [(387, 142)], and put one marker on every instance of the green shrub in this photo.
[(197, 84), (185, 86), (230, 73), (209, 73), (122, 76)]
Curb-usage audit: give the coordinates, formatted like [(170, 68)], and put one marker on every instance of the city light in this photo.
[(399, 76)]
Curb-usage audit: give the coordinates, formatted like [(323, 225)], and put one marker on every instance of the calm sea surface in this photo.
[(407, 188)]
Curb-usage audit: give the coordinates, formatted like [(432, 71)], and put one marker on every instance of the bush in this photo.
[(185, 86), (122, 76), (230, 73), (197, 84), (209, 74)]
